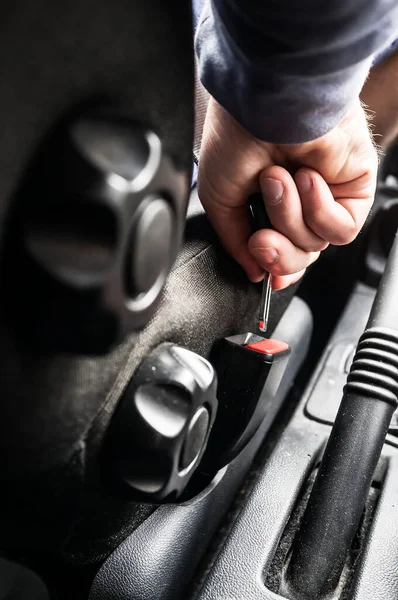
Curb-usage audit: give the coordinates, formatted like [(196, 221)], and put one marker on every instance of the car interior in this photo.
[(154, 444)]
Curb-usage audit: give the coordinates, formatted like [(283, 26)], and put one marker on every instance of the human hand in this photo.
[(315, 193)]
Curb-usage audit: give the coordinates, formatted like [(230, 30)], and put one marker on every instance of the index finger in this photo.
[(233, 227)]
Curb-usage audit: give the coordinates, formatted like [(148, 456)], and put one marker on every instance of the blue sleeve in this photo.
[(288, 71)]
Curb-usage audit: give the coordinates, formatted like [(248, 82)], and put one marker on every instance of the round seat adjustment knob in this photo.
[(161, 428), (150, 249)]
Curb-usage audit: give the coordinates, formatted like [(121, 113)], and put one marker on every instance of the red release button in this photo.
[(269, 346)]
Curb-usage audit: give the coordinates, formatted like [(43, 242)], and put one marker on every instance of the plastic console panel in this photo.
[(238, 572), (158, 560)]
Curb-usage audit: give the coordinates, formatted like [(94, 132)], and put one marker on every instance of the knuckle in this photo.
[(315, 245), (339, 236), (368, 179), (315, 220), (342, 238)]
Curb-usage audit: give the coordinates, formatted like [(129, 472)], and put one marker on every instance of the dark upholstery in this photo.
[(55, 409), (54, 56)]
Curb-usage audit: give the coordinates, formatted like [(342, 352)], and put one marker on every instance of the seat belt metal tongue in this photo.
[(265, 303), (261, 221)]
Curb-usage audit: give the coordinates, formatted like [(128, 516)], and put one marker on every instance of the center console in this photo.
[(259, 558)]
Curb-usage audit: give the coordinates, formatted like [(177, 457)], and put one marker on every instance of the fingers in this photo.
[(335, 213), (287, 251), (283, 205), (230, 161), (282, 282), (233, 228), (278, 255), (306, 212), (312, 214)]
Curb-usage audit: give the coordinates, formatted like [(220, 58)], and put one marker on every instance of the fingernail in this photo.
[(265, 256), (303, 181), (272, 190)]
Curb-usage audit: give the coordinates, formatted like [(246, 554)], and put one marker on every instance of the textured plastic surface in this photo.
[(247, 554), (324, 400), (384, 311), (381, 236), (353, 450), (338, 497), (157, 561), (377, 577)]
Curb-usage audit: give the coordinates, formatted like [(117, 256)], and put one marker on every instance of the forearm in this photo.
[(380, 94), (288, 72)]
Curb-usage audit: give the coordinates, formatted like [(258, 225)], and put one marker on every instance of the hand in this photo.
[(316, 193)]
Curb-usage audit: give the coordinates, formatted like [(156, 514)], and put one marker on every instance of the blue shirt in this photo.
[(288, 71)]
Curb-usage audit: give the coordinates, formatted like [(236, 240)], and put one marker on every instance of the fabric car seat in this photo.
[(57, 514)]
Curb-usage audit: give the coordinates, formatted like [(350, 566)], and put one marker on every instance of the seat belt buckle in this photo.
[(249, 370)]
